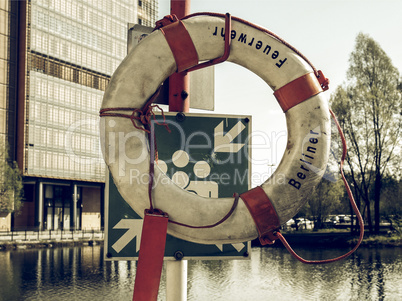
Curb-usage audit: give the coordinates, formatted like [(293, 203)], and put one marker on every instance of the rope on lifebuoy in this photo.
[(278, 235)]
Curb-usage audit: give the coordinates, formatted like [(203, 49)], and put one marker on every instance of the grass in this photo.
[(301, 231), (393, 239)]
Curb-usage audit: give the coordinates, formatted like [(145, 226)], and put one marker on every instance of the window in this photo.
[(68, 72)]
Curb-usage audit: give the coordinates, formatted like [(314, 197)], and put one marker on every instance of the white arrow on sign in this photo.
[(238, 246), (134, 227), (223, 142)]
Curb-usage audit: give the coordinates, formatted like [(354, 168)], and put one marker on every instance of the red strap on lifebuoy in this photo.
[(181, 45), (297, 91), (263, 213), (150, 258)]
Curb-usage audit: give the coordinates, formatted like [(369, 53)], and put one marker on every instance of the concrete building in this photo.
[(56, 59)]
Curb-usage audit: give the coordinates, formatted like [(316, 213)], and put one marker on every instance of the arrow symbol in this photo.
[(223, 142), (238, 247), (134, 227)]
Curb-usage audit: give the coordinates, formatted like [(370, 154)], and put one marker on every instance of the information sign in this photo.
[(204, 154)]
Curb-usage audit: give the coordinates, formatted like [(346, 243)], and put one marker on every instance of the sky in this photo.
[(323, 30)]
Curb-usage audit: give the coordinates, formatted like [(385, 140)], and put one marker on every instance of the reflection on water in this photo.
[(80, 273), (373, 274)]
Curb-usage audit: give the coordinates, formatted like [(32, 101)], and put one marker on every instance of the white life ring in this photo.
[(125, 148)]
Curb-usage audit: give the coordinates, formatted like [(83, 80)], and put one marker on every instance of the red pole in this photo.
[(179, 83), (179, 101)]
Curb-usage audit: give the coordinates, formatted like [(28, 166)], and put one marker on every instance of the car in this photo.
[(331, 221), (302, 223), (343, 219)]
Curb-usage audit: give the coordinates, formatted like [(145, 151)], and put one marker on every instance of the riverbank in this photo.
[(335, 239), (14, 240), (302, 238), (21, 245)]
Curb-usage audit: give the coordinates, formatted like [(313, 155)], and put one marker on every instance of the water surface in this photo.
[(79, 273)]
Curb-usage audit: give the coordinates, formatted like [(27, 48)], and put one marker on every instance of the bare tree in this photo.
[(369, 111), (325, 199)]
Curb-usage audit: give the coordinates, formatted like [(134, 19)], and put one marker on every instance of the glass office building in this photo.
[(68, 51), (8, 89)]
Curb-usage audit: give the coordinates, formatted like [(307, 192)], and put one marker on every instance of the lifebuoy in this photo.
[(274, 202)]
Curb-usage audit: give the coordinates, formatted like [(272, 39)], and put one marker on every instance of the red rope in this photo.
[(226, 53), (352, 202), (258, 28), (236, 201), (145, 115)]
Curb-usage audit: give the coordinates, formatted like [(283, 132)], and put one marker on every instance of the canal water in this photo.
[(80, 273)]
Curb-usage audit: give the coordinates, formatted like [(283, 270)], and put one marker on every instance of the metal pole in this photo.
[(75, 197), (176, 280), (179, 83), (41, 217), (179, 101)]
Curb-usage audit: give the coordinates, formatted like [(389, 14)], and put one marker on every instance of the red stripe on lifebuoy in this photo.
[(181, 45), (297, 91), (263, 212)]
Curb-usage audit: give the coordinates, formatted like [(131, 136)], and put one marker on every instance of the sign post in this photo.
[(179, 86)]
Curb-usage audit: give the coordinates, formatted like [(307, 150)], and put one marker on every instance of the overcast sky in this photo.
[(323, 30)]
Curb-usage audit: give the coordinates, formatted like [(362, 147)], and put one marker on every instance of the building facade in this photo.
[(8, 88), (67, 52)]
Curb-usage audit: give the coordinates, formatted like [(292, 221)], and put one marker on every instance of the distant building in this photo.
[(56, 59)]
